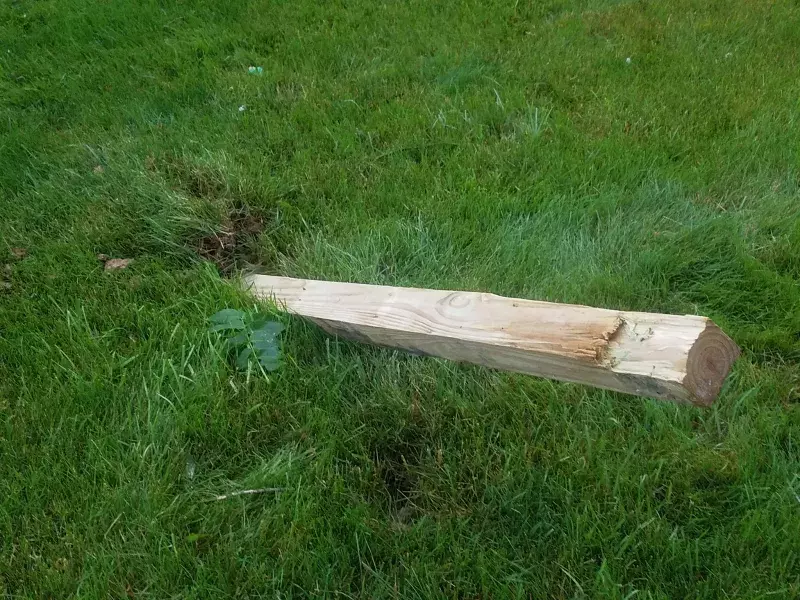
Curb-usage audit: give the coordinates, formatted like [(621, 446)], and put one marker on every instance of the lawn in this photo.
[(632, 155)]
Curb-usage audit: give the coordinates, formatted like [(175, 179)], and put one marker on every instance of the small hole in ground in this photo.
[(236, 241)]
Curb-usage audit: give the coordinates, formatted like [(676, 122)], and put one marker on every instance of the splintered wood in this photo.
[(680, 358)]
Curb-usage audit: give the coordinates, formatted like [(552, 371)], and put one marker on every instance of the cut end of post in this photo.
[(708, 364)]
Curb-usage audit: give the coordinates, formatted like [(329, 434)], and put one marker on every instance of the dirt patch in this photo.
[(400, 483), (397, 464), (235, 243), (398, 477), (220, 195)]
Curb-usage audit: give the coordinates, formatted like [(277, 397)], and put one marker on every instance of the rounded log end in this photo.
[(708, 364)]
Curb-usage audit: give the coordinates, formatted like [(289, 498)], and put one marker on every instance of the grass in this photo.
[(507, 147)]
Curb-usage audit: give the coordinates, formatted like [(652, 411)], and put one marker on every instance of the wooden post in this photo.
[(680, 358)]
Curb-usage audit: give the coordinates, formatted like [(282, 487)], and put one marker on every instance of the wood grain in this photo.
[(681, 358)]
